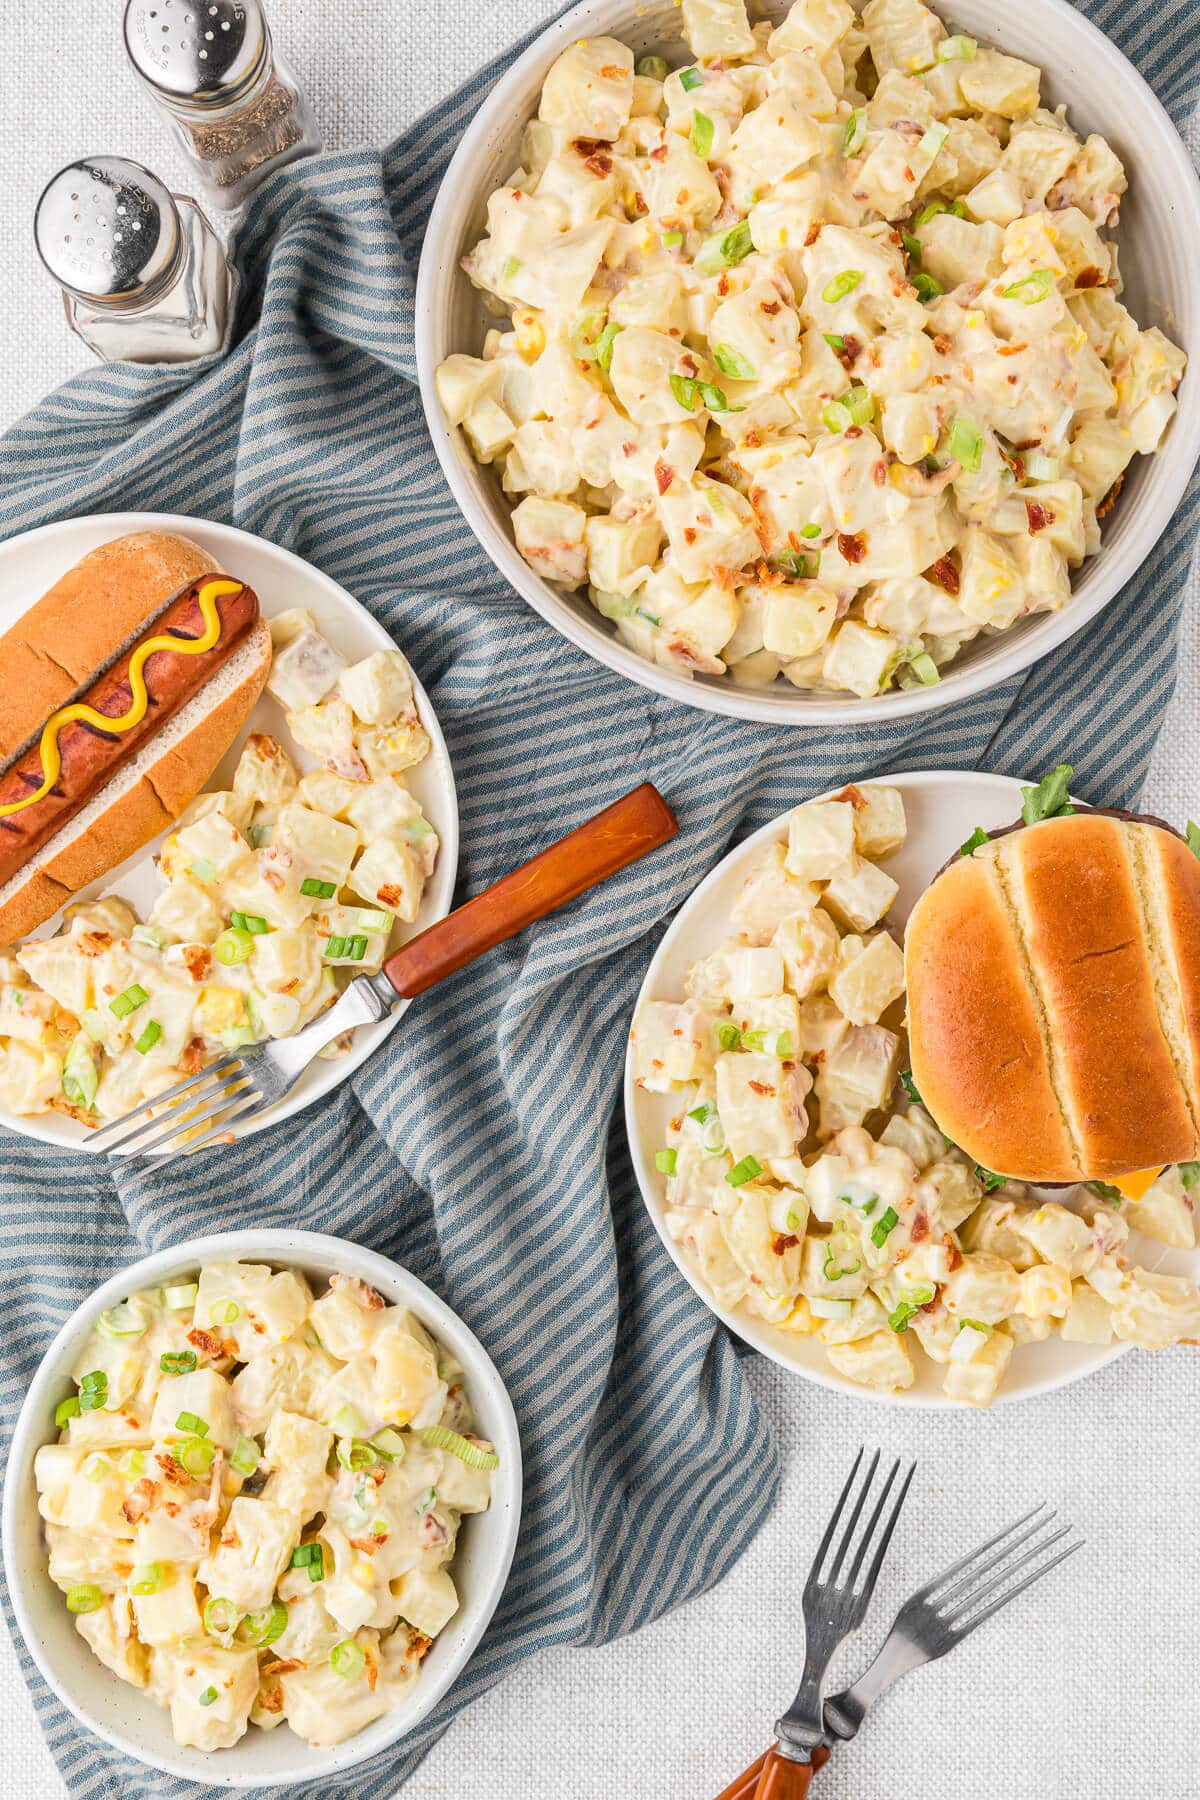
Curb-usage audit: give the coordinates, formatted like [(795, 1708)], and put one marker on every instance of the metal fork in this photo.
[(239, 1085), (935, 1619)]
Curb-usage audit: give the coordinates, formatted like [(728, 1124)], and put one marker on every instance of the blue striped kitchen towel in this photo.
[(483, 1147)]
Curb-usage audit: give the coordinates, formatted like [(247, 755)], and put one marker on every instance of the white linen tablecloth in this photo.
[(1084, 1690)]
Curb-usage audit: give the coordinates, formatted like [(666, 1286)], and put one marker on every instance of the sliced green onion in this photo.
[(356, 1456), (913, 245), (121, 1322), (348, 1659), (80, 1077), (926, 287), (966, 444), (178, 1299), (220, 1616), (841, 285), (834, 339), (93, 1391), (428, 1501), (987, 1178), (957, 49), (822, 1308), (712, 1138), (258, 1629), (177, 1362), (312, 1558), (147, 1578), (128, 1002), (831, 1270), (665, 1160), (810, 531), (585, 333), (233, 946), (935, 136), (149, 935), (84, 1598), (770, 1043), (860, 404), (133, 1464), (728, 1036), (254, 923), (203, 868), (65, 1411), (96, 1468), (257, 835), (731, 362), (702, 134), (347, 1422), (148, 1038), (1039, 466), (671, 240), (192, 1424), (924, 669), (96, 1378), (511, 270), (690, 79), (836, 417), (244, 1457), (335, 946), (225, 1312), (382, 921), (208, 1696), (196, 1455), (855, 134), (390, 1445), (1031, 288), (1110, 1195), (976, 841), (724, 249), (604, 345), (744, 1171), (898, 1320), (884, 1226), (440, 1437), (655, 68), (1049, 799), (703, 1112), (910, 1088)]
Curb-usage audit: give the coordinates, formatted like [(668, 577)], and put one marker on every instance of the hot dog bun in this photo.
[(1054, 1000), (92, 616)]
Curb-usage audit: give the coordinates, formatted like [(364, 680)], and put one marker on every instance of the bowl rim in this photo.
[(308, 1251), (751, 1331), (1102, 577)]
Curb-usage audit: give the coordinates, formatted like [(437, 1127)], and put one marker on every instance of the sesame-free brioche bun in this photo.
[(1054, 999)]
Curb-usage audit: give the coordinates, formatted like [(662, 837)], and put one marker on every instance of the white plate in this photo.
[(31, 563), (126, 1717), (942, 810)]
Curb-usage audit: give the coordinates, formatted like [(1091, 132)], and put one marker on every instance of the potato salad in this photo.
[(253, 1504), (817, 365), (806, 1185), (274, 892)]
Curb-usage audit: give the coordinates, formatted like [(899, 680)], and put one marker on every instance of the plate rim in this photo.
[(743, 1327), (33, 1126)]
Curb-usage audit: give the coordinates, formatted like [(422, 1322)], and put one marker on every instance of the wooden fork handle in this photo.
[(785, 1780), (619, 835)]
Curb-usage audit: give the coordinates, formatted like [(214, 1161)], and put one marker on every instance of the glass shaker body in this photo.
[(144, 276), (231, 100)]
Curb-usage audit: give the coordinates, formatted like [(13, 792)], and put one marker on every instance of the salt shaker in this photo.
[(144, 276), (230, 98)]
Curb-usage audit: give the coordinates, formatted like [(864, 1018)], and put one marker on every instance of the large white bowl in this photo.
[(126, 1717), (1160, 261), (942, 810)]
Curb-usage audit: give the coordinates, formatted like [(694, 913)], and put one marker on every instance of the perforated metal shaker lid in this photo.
[(203, 53), (109, 231)]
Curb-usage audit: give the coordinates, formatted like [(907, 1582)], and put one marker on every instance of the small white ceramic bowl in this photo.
[(1160, 261), (125, 1716)]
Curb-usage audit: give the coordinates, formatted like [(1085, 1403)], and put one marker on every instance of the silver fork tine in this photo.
[(975, 1575), (886, 1538), (939, 1581), (961, 1631), (990, 1587), (834, 1516), (223, 1064), (248, 1106), (186, 1118), (869, 1534), (848, 1533)]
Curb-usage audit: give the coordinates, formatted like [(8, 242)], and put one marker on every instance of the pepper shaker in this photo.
[(143, 274), (228, 95)]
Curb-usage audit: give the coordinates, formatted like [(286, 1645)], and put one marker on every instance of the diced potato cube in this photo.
[(1166, 1212), (209, 851), (860, 659), (1045, 1292), (407, 1388), (326, 793), (975, 1382), (754, 972), (879, 823), (820, 839), (798, 616), (265, 771), (717, 29), (822, 1028), (672, 1044), (389, 873), (1059, 1236), (394, 748), (809, 948), (589, 90), (211, 1693), (859, 893), (254, 1549), (322, 848), (866, 983), (203, 1394), (304, 670), (761, 1104), (296, 1450), (882, 1360), (427, 1599), (771, 894), (379, 688), (1088, 1319), (983, 1287), (171, 1613)]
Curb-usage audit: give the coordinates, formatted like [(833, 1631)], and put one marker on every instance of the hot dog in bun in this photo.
[(120, 691), (1053, 975)]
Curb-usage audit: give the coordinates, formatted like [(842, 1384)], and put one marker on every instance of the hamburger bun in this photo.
[(1053, 983)]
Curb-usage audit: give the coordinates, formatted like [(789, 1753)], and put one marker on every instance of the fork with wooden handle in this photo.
[(201, 1109), (933, 1621)]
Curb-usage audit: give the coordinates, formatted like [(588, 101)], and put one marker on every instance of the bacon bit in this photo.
[(1110, 499), (205, 1341), (273, 879), (368, 1545), (94, 943), (945, 573), (853, 545), (854, 795), (197, 960), (853, 431), (1010, 349), (270, 1699), (813, 233), (942, 344), (725, 578), (850, 351), (879, 474), (139, 1501), (762, 1087), (689, 534), (752, 440), (659, 155), (785, 1242), (1015, 463), (418, 1644), (173, 1471), (611, 73), (639, 206), (1039, 516), (283, 1665), (1027, 444), (953, 1253), (688, 653), (289, 985), (597, 154), (1090, 277), (689, 364), (664, 475), (920, 1227), (770, 307), (79, 1113), (192, 1060)]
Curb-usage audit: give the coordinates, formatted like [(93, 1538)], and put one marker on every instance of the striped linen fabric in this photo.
[(483, 1146)]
